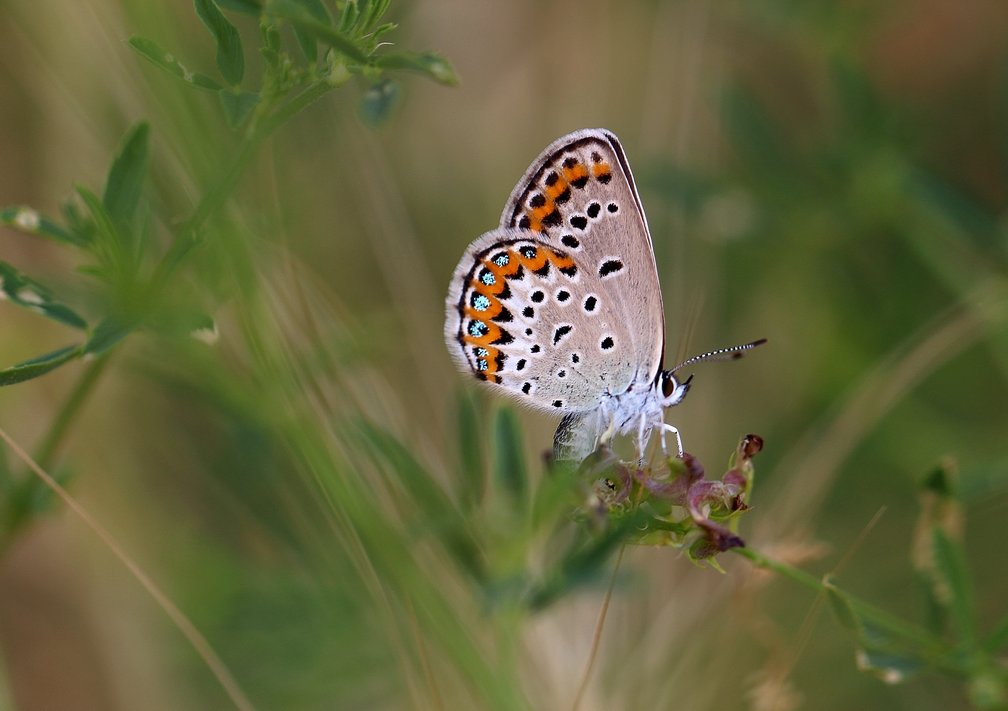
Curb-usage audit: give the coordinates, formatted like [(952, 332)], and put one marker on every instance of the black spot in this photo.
[(526, 388), (528, 252), (569, 271), (517, 276), (593, 210), (579, 222), (612, 207), (575, 357), (503, 317), (475, 296), (537, 296), (562, 197), (561, 373), (610, 266), (528, 331), (520, 365), (481, 376), (605, 178), (570, 162), (596, 157), (551, 180), (499, 360), (607, 343), (505, 294), (579, 183), (534, 349), (503, 338), (543, 270), (562, 295), (590, 303), (561, 332), (571, 241), (552, 219), (524, 223), (538, 200), (558, 403), (528, 312)]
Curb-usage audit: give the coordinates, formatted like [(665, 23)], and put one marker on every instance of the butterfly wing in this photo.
[(561, 305)]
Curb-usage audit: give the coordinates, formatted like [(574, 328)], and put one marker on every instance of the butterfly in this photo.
[(560, 308)]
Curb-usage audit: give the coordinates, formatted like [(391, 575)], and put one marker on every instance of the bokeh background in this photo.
[(832, 176)]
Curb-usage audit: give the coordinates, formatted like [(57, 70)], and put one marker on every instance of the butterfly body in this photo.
[(560, 307)]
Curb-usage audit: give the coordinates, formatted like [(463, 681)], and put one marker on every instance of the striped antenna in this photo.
[(729, 353)]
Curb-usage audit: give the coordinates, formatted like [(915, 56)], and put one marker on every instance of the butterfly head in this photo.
[(672, 390)]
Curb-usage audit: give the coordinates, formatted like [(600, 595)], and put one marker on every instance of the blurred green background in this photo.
[(832, 176)]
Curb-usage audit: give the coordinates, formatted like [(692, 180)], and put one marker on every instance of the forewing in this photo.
[(579, 196)]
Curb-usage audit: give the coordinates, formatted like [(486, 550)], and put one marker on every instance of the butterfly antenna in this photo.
[(729, 353)]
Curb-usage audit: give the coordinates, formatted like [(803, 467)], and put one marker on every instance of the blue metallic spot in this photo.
[(477, 328), (481, 303), (481, 364), (488, 278), (481, 352), (501, 260)]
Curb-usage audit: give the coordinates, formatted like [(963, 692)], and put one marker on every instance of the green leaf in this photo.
[(108, 333), (954, 587), (125, 179), (402, 468), (317, 10), (30, 294), (26, 219), (378, 101), (372, 13), (295, 14), (149, 50), (237, 106), (249, 7), (473, 481), (351, 12), (108, 244), (939, 509), (39, 366), (429, 63), (508, 456), (890, 667), (79, 224), (230, 59)]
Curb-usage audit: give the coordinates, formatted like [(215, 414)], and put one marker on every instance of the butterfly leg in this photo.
[(610, 431), (665, 427), (641, 443)]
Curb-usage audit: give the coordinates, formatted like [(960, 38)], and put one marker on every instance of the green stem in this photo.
[(928, 646), (69, 411)]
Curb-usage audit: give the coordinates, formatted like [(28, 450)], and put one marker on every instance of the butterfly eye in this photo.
[(673, 391), (668, 385)]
